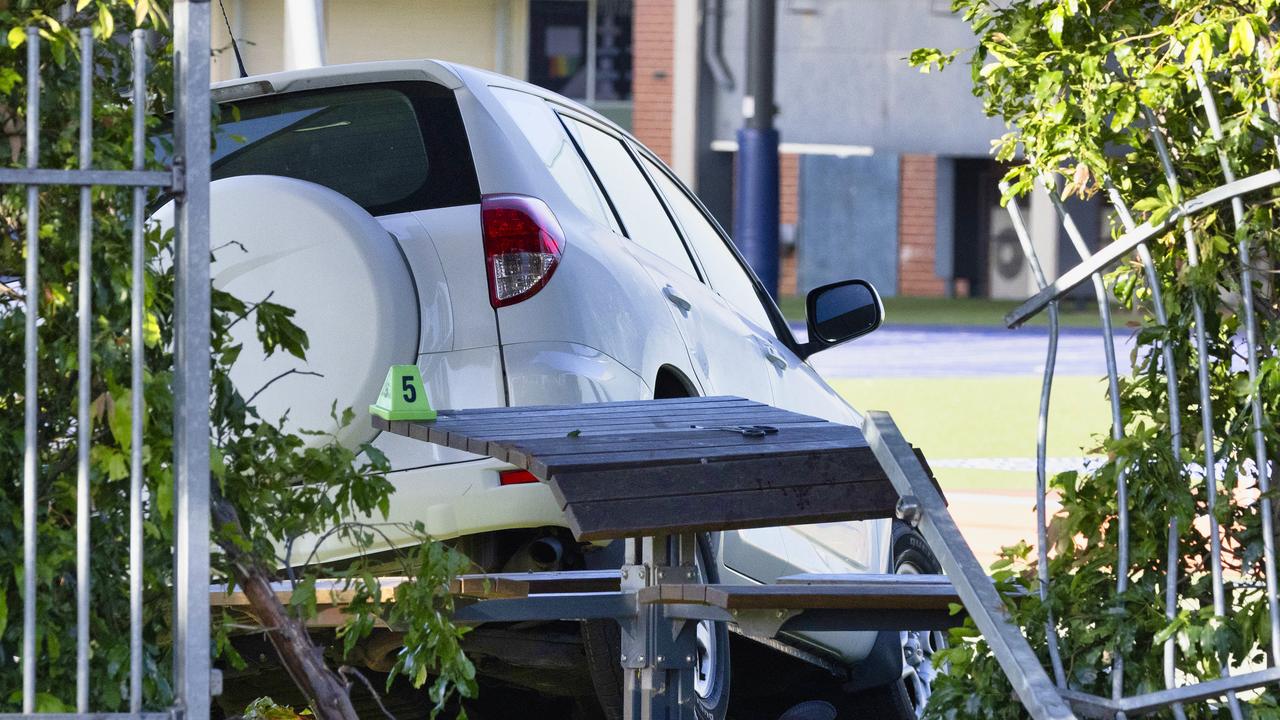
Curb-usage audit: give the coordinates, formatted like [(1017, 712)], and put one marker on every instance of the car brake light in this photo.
[(516, 477), (522, 246)]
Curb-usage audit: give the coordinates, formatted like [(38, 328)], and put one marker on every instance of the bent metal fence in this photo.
[(1011, 648), (188, 180)]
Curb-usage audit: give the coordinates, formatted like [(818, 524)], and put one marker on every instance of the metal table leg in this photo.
[(657, 652)]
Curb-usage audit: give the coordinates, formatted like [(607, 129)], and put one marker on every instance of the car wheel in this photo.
[(602, 642), (906, 698)]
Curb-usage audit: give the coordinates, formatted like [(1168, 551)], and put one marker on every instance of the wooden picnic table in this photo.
[(631, 469), (656, 473)]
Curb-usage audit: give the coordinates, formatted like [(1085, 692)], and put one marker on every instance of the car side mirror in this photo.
[(840, 312)]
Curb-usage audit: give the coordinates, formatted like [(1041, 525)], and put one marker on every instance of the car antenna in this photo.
[(235, 46)]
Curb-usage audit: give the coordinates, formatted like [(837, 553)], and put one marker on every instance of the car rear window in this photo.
[(390, 147)]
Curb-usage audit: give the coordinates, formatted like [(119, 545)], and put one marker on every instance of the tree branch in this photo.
[(302, 659), (286, 373), (348, 670)]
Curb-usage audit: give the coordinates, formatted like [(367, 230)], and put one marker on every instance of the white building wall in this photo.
[(464, 31)]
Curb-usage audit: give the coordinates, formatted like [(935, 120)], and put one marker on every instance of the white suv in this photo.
[(521, 250)]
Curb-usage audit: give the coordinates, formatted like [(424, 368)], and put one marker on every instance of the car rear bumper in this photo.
[(462, 498)]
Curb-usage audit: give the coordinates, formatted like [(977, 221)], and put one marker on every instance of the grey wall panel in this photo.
[(944, 221), (842, 77), (848, 221)]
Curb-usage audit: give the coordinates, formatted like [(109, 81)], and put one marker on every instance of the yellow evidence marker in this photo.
[(403, 396)]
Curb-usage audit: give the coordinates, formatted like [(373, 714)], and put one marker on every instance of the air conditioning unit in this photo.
[(1008, 275)]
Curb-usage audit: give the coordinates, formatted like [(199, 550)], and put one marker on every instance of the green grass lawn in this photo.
[(985, 417), (960, 311)]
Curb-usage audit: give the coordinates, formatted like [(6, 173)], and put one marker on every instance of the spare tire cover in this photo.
[(313, 250)]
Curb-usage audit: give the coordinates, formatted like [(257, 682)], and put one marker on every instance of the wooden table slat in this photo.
[(521, 451), (549, 466), (597, 410), (598, 425), (725, 475), (621, 404), (688, 438), (904, 596), (516, 442), (712, 512)]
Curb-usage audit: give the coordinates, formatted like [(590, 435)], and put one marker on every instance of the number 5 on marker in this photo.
[(403, 396)]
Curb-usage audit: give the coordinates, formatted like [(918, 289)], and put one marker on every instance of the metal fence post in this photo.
[(191, 385)]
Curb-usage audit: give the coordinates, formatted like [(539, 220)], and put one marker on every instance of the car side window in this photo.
[(724, 272), (548, 138), (644, 220)]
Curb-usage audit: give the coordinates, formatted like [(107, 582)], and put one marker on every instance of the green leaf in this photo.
[(1200, 48), (151, 331), (1124, 113), (106, 22), (46, 703), (17, 36), (1053, 22), (304, 596), (118, 418), (1242, 38), (164, 498)]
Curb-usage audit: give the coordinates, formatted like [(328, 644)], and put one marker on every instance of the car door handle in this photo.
[(675, 299), (774, 358)]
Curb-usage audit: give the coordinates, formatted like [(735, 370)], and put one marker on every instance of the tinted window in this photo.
[(644, 220), (548, 137), (723, 270), (391, 147)]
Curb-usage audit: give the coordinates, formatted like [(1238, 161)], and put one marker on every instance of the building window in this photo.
[(582, 50)]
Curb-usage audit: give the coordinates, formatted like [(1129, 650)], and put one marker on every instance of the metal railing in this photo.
[(1008, 644), (188, 181)]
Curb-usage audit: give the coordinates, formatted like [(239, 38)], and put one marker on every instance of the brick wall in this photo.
[(653, 49), (917, 229)]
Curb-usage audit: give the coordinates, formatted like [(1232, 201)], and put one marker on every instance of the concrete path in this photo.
[(947, 351), (990, 521)]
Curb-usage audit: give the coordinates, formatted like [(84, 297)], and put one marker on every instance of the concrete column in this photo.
[(685, 91), (304, 38), (1043, 226)]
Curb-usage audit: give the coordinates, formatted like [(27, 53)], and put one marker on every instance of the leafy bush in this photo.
[(271, 487), (1072, 78)]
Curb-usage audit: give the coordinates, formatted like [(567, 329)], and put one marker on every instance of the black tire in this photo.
[(602, 643), (893, 700)]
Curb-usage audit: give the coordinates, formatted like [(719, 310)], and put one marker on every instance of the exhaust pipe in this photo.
[(546, 553), (541, 553)]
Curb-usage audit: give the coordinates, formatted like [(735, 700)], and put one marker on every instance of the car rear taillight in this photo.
[(522, 246), (516, 477)]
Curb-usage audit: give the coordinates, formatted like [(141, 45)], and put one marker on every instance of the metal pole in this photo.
[(1117, 420), (84, 373), (137, 351), (31, 398), (1200, 336), (1042, 441), (1175, 433), (1251, 349), (191, 412), (755, 213)]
